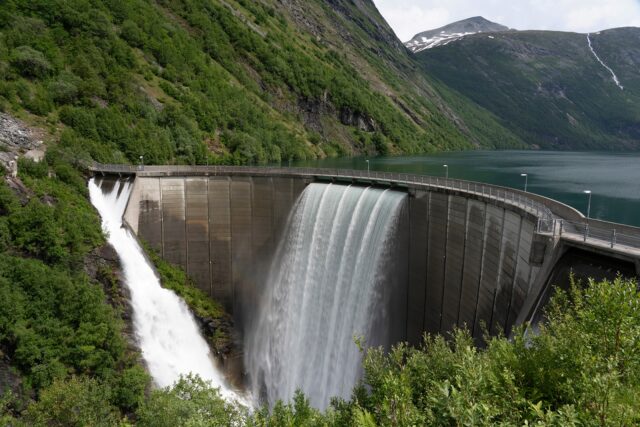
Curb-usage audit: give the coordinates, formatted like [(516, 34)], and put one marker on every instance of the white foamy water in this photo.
[(166, 331), (323, 289)]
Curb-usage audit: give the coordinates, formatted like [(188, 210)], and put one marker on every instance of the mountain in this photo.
[(224, 81), (555, 90), (451, 32)]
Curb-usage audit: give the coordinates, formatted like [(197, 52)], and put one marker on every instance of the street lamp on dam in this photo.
[(446, 171), (367, 165), (526, 180), (588, 192)]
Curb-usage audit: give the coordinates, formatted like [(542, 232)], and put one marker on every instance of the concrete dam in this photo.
[(457, 253)]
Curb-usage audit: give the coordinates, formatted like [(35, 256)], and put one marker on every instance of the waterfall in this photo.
[(324, 289), (613, 75), (167, 333)]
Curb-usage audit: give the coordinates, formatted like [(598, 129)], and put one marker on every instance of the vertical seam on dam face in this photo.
[(252, 251), (209, 239), (426, 262), (418, 216), (444, 262), (491, 325), (186, 225), (454, 261), (409, 278), (161, 218), (482, 254), (515, 278), (472, 268), (464, 260), (436, 254)]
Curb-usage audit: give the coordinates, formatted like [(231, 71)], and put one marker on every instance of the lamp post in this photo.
[(588, 192), (526, 180), (367, 160), (446, 171), (141, 162)]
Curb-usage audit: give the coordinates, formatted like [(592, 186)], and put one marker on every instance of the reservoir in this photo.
[(613, 178)]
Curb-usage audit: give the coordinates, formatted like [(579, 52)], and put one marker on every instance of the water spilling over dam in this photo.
[(167, 333), (326, 285)]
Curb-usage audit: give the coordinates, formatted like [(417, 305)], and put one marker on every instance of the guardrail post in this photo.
[(586, 232)]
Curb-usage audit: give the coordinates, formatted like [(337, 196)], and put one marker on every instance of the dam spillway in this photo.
[(328, 283)]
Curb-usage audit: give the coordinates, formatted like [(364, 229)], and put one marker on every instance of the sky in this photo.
[(409, 17)]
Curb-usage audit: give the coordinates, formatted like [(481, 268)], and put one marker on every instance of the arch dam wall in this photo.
[(471, 254)]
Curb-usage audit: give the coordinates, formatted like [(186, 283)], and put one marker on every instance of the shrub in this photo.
[(80, 119), (132, 34), (30, 62), (64, 90), (78, 401), (36, 232), (38, 102), (129, 388), (191, 401), (5, 234), (28, 167)]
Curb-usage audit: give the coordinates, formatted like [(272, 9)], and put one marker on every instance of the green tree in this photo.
[(77, 401), (30, 62), (191, 401)]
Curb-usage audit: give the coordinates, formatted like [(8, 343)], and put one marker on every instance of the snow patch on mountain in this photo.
[(452, 32), (441, 39)]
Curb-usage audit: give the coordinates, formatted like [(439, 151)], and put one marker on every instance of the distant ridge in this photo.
[(454, 31), (555, 90)]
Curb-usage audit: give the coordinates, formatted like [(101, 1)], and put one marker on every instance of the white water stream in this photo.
[(166, 331), (613, 75), (323, 289)]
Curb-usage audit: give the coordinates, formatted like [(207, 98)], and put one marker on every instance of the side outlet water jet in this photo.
[(166, 331)]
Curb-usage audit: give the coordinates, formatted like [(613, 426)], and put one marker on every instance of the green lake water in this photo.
[(613, 178)]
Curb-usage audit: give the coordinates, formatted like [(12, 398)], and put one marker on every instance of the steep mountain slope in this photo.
[(451, 32), (232, 81), (548, 87)]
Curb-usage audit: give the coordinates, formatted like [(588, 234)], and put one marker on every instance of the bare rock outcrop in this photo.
[(18, 139)]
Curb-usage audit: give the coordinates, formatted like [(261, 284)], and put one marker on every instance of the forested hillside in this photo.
[(197, 81)]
